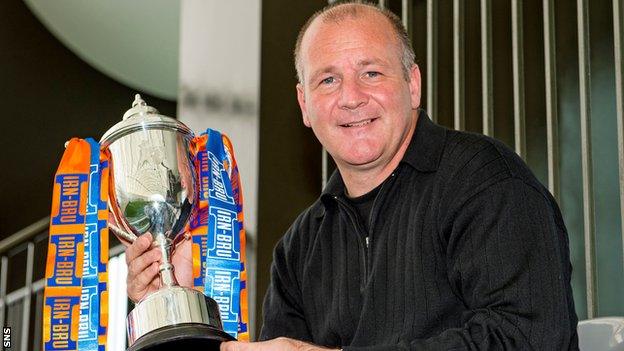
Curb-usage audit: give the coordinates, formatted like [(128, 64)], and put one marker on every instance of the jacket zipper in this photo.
[(363, 247), (373, 216), (366, 247)]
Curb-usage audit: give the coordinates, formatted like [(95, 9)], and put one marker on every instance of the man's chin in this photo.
[(363, 163)]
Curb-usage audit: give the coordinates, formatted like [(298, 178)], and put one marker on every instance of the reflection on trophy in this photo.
[(153, 189)]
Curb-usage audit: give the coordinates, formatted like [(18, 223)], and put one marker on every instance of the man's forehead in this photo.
[(327, 32), (369, 33), (365, 17)]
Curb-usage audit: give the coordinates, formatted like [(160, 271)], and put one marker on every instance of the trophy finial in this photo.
[(139, 106), (138, 101)]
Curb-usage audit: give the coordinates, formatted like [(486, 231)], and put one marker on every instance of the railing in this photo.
[(541, 70), (602, 253), (22, 271)]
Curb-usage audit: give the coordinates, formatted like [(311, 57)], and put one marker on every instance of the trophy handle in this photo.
[(122, 234)]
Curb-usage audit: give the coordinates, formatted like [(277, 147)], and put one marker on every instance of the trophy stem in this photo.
[(167, 278)]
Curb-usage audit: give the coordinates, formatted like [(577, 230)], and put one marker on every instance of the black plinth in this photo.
[(190, 336)]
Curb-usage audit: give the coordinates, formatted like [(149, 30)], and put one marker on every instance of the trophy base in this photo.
[(189, 336), (172, 316)]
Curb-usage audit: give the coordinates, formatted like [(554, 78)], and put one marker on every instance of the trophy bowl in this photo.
[(152, 188)]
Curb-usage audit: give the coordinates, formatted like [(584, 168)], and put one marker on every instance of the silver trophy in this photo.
[(153, 189)]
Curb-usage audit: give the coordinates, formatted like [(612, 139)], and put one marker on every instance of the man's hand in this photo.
[(143, 261), (279, 344)]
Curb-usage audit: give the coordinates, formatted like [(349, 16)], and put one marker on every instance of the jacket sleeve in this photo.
[(282, 309), (508, 261)]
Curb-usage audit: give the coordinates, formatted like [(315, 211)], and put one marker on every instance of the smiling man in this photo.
[(356, 94), (425, 238)]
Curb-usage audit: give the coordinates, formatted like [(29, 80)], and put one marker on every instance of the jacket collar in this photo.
[(423, 153), (425, 148)]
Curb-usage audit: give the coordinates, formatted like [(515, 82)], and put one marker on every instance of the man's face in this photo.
[(355, 95)]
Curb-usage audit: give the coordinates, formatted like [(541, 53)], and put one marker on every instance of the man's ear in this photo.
[(302, 105), (415, 86)]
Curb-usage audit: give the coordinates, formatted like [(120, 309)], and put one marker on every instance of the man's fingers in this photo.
[(156, 282), (143, 264), (140, 284), (140, 245), (278, 344), (233, 346), (140, 263), (147, 276)]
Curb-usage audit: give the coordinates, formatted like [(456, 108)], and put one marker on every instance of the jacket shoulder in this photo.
[(303, 228), (471, 163), (472, 159)]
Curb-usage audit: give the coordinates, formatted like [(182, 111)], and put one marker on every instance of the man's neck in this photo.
[(360, 181)]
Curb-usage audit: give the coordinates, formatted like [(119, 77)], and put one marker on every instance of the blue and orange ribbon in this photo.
[(75, 315), (75, 291), (218, 232), (93, 299)]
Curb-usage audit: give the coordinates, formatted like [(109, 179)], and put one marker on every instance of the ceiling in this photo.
[(134, 42)]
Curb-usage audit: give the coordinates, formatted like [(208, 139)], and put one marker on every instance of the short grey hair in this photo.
[(338, 11)]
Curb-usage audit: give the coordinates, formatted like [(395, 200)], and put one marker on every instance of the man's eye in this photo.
[(327, 80), (372, 74)]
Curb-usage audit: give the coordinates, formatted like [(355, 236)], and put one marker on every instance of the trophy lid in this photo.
[(142, 117)]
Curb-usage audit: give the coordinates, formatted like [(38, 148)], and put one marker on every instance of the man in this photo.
[(425, 238)]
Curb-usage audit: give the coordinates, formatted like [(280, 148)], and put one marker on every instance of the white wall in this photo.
[(219, 88)]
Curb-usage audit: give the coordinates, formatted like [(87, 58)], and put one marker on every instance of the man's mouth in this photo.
[(360, 123)]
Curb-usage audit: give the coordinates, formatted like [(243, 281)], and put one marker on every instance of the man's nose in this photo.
[(352, 95)]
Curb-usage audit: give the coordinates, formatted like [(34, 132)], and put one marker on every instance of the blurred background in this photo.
[(543, 76)]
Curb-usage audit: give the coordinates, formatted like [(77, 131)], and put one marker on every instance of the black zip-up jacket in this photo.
[(466, 251)]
